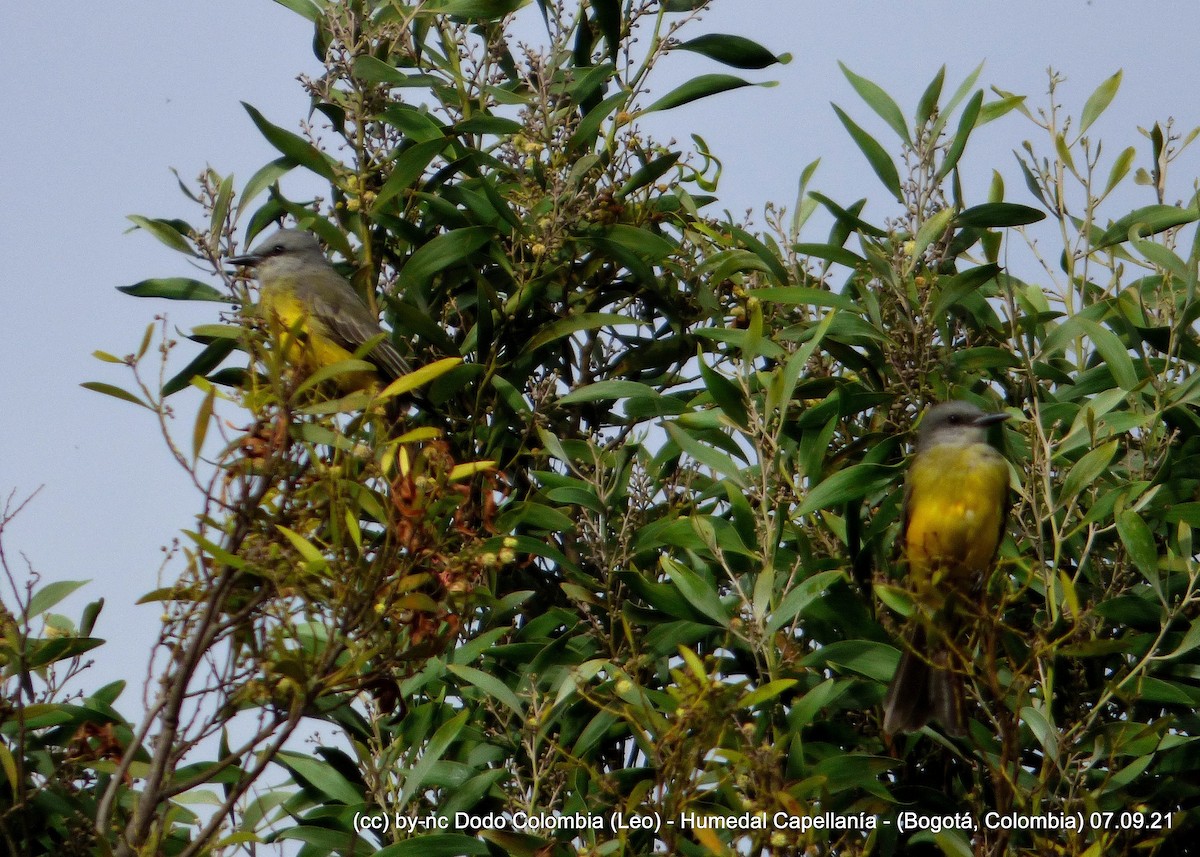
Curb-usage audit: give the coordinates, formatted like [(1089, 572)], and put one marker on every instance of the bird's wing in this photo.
[(350, 324)]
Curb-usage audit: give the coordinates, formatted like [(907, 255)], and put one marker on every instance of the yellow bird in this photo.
[(313, 311), (955, 506)]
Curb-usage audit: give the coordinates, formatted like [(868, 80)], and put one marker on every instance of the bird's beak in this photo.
[(990, 419), (249, 260)]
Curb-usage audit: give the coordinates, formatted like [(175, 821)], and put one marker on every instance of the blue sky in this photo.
[(105, 99)]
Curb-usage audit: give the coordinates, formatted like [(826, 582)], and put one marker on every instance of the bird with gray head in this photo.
[(314, 307), (953, 517)]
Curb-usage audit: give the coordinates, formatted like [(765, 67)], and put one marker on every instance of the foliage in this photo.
[(631, 549)]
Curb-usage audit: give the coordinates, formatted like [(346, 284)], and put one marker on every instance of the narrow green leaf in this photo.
[(719, 462), (175, 289), (996, 215), (735, 51), (292, 145), (852, 483), (115, 392), (305, 9), (431, 755), (490, 685), (876, 156), (408, 167), (1146, 221), (50, 594), (203, 417), (588, 129), (1087, 470), (267, 175), (483, 10), (441, 252), (574, 324), (172, 233), (610, 390), (697, 88), (830, 253), (1120, 169), (1138, 539), (1115, 354), (879, 101), (649, 173), (322, 776), (929, 98), (208, 359), (698, 592), (931, 230), (724, 393), (1098, 102), (966, 124), (799, 598), (766, 693)]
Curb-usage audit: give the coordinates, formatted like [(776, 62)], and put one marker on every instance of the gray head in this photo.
[(287, 249), (956, 422)]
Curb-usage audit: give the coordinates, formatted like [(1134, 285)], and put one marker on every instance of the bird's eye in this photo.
[(277, 249)]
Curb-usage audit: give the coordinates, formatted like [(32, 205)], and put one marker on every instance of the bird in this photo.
[(314, 312), (955, 509)]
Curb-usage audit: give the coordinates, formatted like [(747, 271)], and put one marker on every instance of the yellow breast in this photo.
[(304, 339), (957, 498)]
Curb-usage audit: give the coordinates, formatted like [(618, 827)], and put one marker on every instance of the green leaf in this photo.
[(929, 98), (431, 755), (766, 693), (1138, 539), (1116, 356), (610, 390), (651, 172), (697, 88), (490, 685), (1087, 469), (698, 592), (407, 168), (173, 233), (175, 289), (830, 253), (865, 657), (574, 324), (293, 146), (852, 483), (735, 51), (208, 359), (115, 392), (305, 9), (267, 175), (724, 393), (1098, 102), (713, 458), (441, 252), (799, 597), (879, 101), (484, 10), (1146, 221), (876, 156), (996, 215), (966, 124), (1120, 169), (50, 594), (589, 126), (323, 777)]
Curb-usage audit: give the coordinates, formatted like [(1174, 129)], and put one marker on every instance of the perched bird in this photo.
[(314, 312), (955, 506)]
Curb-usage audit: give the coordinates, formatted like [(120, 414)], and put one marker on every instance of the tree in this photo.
[(633, 550)]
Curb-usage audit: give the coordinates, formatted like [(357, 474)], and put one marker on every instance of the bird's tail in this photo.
[(925, 688)]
